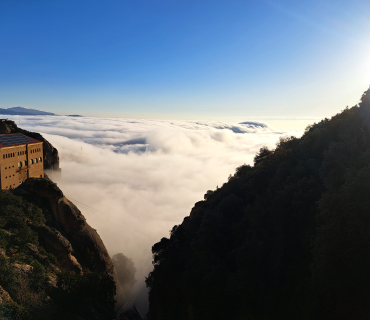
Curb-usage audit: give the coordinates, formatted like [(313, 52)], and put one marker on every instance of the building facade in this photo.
[(21, 157)]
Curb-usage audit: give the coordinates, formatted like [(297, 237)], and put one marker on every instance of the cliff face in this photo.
[(53, 265), (84, 247), (51, 157)]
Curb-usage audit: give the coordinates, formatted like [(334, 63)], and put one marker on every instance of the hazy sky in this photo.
[(196, 59)]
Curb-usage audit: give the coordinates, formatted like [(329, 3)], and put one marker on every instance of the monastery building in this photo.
[(21, 157)]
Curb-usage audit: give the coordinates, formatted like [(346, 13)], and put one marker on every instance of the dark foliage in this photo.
[(90, 296), (125, 271), (288, 238)]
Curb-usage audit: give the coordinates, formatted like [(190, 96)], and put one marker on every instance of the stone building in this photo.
[(21, 157)]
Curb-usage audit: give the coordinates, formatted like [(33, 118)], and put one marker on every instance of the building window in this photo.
[(40, 159), (36, 160), (20, 164), (24, 163), (31, 161)]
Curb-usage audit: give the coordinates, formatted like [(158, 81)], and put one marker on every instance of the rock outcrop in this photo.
[(76, 244), (4, 296), (51, 156), (59, 246)]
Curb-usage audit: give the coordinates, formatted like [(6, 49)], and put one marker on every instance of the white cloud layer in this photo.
[(135, 179)]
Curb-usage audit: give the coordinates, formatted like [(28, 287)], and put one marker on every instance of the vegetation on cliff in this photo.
[(53, 265), (288, 238)]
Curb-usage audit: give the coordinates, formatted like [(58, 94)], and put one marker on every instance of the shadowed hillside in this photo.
[(288, 238)]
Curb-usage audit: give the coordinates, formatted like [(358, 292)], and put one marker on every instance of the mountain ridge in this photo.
[(285, 239), (25, 112)]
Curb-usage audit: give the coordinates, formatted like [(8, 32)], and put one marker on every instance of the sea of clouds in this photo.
[(135, 179)]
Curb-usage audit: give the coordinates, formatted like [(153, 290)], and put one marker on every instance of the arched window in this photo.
[(31, 161), (40, 159), (36, 160), (19, 164), (24, 162)]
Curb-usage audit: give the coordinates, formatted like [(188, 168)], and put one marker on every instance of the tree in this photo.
[(125, 271)]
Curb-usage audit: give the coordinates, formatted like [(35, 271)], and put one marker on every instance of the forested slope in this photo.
[(287, 238)]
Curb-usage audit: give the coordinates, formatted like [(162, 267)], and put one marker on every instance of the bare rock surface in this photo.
[(22, 268)]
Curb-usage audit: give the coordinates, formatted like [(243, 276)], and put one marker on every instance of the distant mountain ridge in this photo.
[(25, 111)]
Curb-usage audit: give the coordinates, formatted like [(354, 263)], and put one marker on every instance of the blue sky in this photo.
[(185, 59)]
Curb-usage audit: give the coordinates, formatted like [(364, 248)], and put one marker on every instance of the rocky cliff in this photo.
[(51, 157), (81, 243), (53, 265)]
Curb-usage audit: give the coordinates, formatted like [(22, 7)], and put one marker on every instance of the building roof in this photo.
[(10, 140)]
